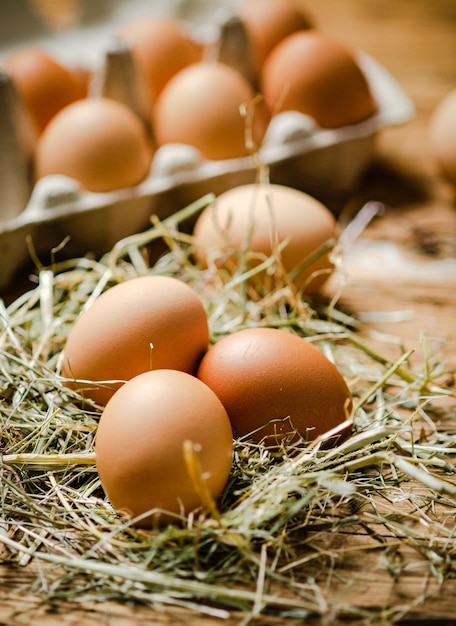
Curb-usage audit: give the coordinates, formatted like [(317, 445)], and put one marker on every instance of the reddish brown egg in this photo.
[(150, 322), (161, 47), (311, 72), (201, 106), (45, 84), (273, 384), (164, 447), (99, 142)]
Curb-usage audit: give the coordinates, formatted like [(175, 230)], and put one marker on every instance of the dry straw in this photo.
[(269, 545)]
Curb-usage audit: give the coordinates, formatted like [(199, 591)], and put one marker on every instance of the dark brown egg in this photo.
[(274, 384)]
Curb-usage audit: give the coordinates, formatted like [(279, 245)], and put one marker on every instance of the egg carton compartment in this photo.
[(294, 152)]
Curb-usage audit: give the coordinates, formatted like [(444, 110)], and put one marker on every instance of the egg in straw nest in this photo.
[(271, 541)]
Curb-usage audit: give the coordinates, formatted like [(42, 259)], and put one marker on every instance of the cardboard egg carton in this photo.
[(294, 152)]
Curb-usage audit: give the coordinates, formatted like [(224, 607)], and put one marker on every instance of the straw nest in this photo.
[(268, 546)]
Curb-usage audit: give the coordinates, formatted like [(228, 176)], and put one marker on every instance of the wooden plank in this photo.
[(412, 599)]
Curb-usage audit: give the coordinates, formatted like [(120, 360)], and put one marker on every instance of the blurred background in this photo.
[(69, 26)]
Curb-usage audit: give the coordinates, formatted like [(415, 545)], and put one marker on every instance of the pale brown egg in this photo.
[(267, 22), (99, 142), (259, 217), (275, 385), (45, 84), (442, 135), (164, 447), (201, 106), (161, 47), (313, 73), (145, 323)]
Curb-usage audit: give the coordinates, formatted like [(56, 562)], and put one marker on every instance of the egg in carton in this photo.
[(57, 212)]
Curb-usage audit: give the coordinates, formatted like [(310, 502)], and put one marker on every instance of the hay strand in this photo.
[(260, 547)]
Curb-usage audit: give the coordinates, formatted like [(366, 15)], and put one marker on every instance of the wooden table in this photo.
[(416, 42)]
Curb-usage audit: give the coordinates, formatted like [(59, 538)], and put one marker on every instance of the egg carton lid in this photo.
[(295, 152)]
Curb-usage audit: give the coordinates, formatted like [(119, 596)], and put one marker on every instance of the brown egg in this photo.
[(161, 47), (99, 142), (45, 84), (144, 438), (442, 135), (145, 323), (259, 217), (200, 107), (273, 384), (312, 73), (269, 21)]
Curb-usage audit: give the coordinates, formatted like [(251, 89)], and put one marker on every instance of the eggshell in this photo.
[(201, 106), (45, 84), (140, 446), (442, 135), (161, 47), (267, 22), (99, 142), (258, 217), (145, 323), (313, 73), (273, 384)]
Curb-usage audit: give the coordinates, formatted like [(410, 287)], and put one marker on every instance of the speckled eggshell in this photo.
[(273, 383), (145, 323), (259, 216), (140, 446)]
